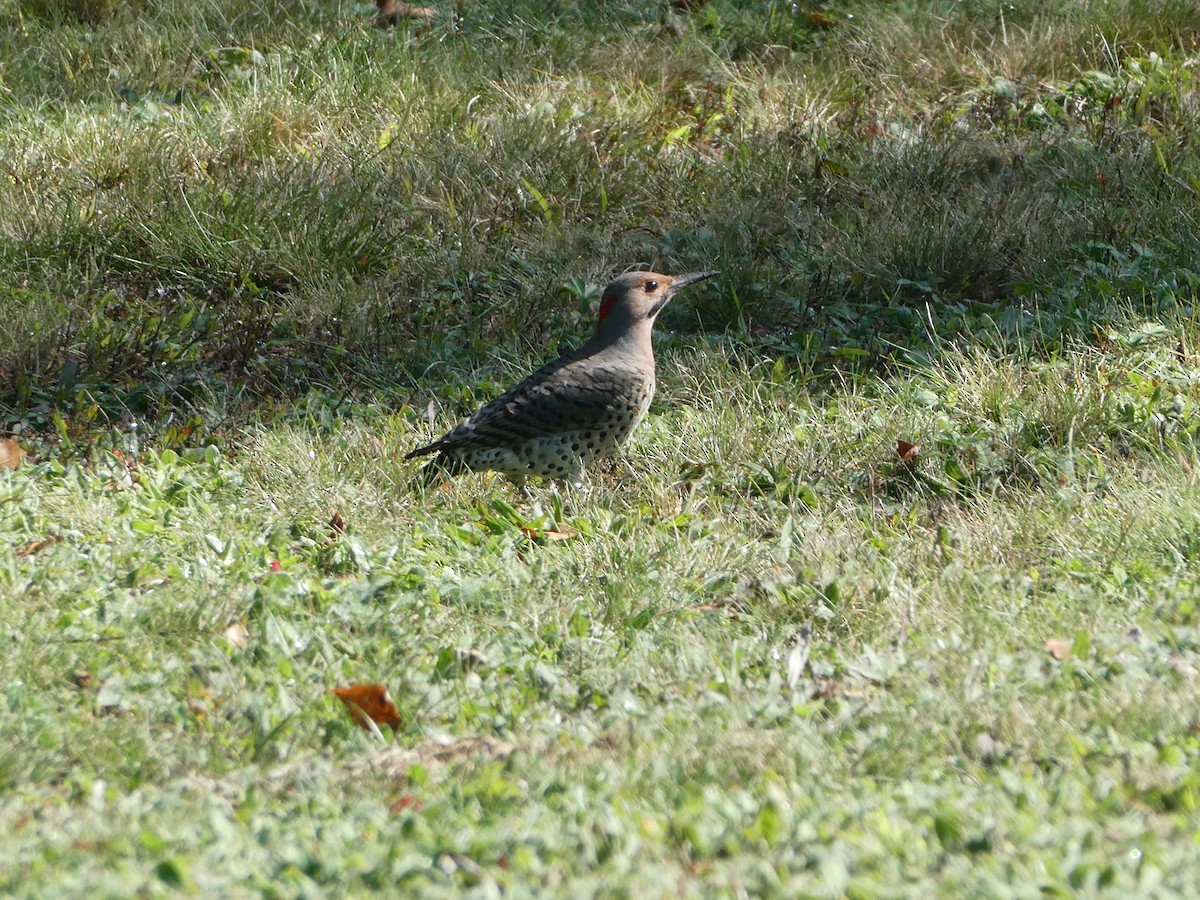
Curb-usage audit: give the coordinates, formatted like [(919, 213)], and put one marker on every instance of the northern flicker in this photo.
[(579, 407)]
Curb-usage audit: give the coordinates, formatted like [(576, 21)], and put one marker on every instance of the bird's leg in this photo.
[(518, 482), (577, 489), (629, 470), (575, 476)]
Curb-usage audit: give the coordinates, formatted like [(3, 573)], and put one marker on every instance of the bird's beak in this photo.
[(682, 281), (678, 283)]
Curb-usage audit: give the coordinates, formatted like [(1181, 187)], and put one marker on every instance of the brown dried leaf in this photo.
[(391, 12), (558, 532), (1058, 648), (369, 703), (237, 635), (337, 526), (406, 802), (907, 451), (34, 546), (11, 454)]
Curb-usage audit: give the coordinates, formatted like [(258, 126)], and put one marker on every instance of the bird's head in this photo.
[(637, 297)]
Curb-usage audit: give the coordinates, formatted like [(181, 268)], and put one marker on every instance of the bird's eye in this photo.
[(651, 286)]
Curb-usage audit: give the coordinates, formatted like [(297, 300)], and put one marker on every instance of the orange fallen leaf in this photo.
[(34, 546), (369, 702), (337, 526), (907, 451), (557, 532), (11, 454), (391, 12), (1058, 648), (406, 801), (237, 635)]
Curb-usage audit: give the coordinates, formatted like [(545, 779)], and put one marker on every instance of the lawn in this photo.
[(895, 592)]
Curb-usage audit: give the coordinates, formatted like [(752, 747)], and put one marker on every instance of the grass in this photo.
[(244, 247)]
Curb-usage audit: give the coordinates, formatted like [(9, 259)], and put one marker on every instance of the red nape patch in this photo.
[(606, 306)]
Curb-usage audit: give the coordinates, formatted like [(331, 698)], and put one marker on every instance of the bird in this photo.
[(576, 409)]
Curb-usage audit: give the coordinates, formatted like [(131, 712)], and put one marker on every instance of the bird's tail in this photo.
[(435, 447), (438, 469)]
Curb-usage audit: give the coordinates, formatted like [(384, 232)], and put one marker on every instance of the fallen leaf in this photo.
[(1058, 648), (34, 546), (11, 454), (369, 703), (337, 526), (797, 660), (907, 451), (558, 532), (406, 802), (1182, 666), (237, 635), (391, 12)]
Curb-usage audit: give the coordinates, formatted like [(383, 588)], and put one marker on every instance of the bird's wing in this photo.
[(562, 396)]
